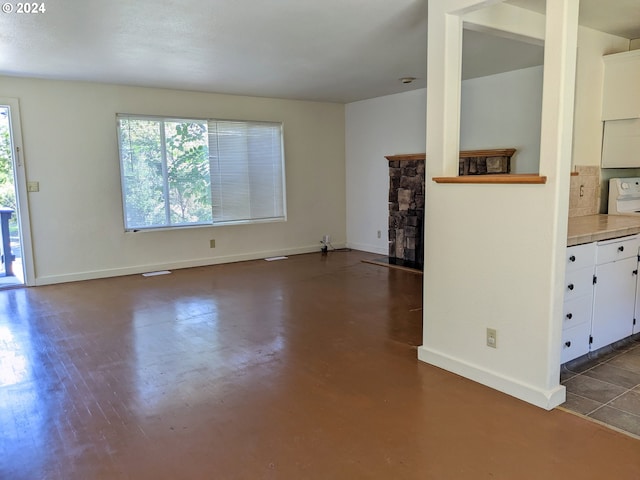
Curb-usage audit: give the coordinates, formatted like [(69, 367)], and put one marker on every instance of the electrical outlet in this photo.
[(212, 243), (379, 233), (326, 239), (492, 338), (33, 186)]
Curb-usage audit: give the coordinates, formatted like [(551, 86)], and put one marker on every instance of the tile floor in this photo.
[(607, 388)]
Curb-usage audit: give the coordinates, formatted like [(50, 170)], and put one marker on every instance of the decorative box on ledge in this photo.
[(485, 162)]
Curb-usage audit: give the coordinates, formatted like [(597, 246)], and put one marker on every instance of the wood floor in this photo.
[(295, 369)]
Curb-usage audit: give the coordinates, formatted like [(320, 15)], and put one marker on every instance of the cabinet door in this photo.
[(575, 342), (636, 316), (621, 92), (614, 302), (621, 143)]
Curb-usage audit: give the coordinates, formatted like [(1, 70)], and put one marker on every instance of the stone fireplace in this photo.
[(407, 196), (406, 212)]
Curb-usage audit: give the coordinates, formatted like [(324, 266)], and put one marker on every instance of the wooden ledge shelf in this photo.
[(495, 152), (503, 178)]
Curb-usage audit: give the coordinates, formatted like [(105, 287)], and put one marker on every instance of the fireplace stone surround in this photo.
[(407, 198)]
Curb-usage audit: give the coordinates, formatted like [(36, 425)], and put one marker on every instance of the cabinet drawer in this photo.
[(577, 311), (580, 256), (575, 342), (578, 283), (617, 249)]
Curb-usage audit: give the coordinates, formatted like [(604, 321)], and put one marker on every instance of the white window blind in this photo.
[(246, 170), (182, 172)]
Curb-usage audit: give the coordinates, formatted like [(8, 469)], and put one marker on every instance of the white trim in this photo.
[(365, 247), (22, 196), (508, 21), (196, 262), (205, 225), (547, 399)]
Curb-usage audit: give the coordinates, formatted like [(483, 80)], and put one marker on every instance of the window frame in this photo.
[(205, 224)]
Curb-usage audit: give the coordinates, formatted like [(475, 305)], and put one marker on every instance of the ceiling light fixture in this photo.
[(406, 80)]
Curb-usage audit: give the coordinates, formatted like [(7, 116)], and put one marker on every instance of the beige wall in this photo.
[(70, 147)]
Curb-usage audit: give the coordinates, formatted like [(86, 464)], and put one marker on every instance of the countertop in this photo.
[(592, 228)]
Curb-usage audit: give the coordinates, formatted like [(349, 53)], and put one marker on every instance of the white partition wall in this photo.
[(492, 251)]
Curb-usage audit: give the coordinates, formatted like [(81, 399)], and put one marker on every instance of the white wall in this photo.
[(503, 111), (70, 146), (493, 253), (396, 124), (381, 126)]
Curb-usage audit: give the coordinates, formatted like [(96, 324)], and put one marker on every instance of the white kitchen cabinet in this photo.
[(575, 342), (621, 92), (602, 295), (621, 143), (580, 256), (614, 293), (617, 249), (578, 299), (636, 316)]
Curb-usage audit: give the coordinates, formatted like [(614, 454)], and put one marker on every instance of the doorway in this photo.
[(16, 267)]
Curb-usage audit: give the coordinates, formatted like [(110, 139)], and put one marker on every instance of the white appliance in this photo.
[(624, 196)]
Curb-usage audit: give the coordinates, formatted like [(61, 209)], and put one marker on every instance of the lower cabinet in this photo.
[(575, 342), (602, 295), (613, 302), (578, 301), (636, 316)]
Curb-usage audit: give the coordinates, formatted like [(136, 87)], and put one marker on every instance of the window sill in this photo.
[(509, 178), (205, 225)]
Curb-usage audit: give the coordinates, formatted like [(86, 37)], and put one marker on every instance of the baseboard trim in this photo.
[(547, 399), (364, 247), (198, 262)]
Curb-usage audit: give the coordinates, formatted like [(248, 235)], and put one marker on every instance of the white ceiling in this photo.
[(618, 17), (334, 50)]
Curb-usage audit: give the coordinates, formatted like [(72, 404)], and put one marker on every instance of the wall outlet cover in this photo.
[(492, 338)]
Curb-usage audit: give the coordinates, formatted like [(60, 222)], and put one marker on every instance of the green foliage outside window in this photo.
[(7, 189), (180, 172), (185, 195)]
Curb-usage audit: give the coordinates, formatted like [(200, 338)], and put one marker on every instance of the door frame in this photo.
[(22, 196)]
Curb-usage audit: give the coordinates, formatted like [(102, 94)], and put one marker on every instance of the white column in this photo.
[(492, 252)]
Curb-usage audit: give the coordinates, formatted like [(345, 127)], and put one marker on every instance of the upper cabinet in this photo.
[(621, 143), (621, 96), (621, 110)]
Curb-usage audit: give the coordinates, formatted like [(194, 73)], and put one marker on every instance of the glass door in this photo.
[(16, 266)]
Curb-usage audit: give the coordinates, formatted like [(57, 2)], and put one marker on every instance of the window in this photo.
[(182, 172)]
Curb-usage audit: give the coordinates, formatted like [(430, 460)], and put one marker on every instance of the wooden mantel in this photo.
[(505, 178), (502, 152), (500, 178)]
